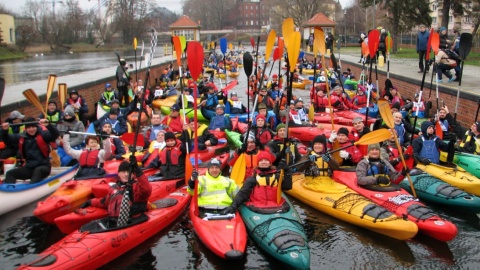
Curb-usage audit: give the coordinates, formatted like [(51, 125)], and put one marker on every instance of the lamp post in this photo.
[(345, 33)]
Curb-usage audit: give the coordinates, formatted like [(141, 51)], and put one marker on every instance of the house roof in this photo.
[(319, 19), (184, 22)]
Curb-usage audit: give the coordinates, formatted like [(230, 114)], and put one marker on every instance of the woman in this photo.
[(91, 158)]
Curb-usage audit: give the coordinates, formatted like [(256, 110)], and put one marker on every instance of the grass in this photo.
[(7, 53)]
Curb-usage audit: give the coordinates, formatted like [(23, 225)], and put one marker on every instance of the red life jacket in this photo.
[(264, 194), (174, 155), (361, 100), (89, 158), (395, 154), (71, 101), (115, 202), (42, 145), (112, 145)]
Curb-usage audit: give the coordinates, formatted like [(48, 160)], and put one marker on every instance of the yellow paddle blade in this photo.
[(375, 136), (279, 187), (336, 154), (311, 113), (270, 42), (62, 93), (32, 97), (315, 47), (52, 79), (238, 170), (385, 112), (293, 49), (134, 43), (230, 46), (319, 40), (183, 41), (288, 27)]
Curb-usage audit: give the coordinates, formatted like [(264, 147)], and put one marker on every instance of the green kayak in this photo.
[(468, 162), (189, 113), (431, 189), (234, 138), (279, 233)]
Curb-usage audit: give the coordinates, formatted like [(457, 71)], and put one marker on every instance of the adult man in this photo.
[(171, 159), (11, 150), (422, 41), (350, 155), (119, 125), (426, 147), (209, 102), (79, 105), (359, 129), (403, 128), (116, 145), (53, 113), (205, 137), (447, 123), (174, 121), (373, 170), (155, 126), (139, 193), (215, 192), (34, 148), (278, 142), (123, 81)]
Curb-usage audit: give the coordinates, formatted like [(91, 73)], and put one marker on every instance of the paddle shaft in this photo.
[(2, 90)]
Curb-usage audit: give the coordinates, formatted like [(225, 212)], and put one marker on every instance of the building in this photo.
[(462, 22), (252, 16), (7, 28), (185, 27)]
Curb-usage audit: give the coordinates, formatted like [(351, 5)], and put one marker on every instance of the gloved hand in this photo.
[(243, 149), (394, 162), (134, 163), (283, 166), (344, 154), (228, 210), (425, 161), (312, 158), (86, 204), (405, 171), (104, 135), (333, 136), (383, 180), (406, 156), (326, 157)]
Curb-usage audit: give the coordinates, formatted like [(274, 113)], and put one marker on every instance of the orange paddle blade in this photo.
[(365, 50), (178, 49), (319, 40), (288, 27), (269, 46), (438, 130), (188, 169), (435, 42), (62, 93)]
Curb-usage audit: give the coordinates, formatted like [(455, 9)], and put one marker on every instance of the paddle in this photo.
[(248, 68), (389, 44), (141, 55), (373, 41), (276, 56), (319, 34), (62, 94), (375, 136), (435, 43), (252, 42), (2, 90), (316, 47), (195, 63), (135, 50), (223, 49), (119, 62), (465, 46), (52, 78), (32, 97), (427, 58), (386, 113)]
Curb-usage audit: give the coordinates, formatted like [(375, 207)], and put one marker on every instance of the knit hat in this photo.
[(442, 28), (425, 125), (357, 119), (69, 111), (52, 102), (261, 116), (343, 131), (373, 146), (124, 166), (31, 119), (114, 111), (264, 155), (115, 101), (262, 106), (319, 139), (170, 135), (298, 100), (16, 115), (214, 162), (175, 107), (274, 76), (74, 91), (280, 126)]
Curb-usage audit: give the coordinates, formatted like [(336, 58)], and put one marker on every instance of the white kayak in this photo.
[(13, 196)]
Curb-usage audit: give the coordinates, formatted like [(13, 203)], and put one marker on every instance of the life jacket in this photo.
[(174, 155), (468, 139), (54, 117), (444, 125), (400, 129), (264, 194), (108, 96), (89, 158), (361, 100), (214, 192), (430, 151), (112, 145), (20, 130), (377, 168), (295, 117), (395, 154), (321, 103), (42, 145), (77, 102), (115, 201)]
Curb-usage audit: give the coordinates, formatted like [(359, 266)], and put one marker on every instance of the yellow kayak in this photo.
[(166, 102), (339, 201), (233, 74), (457, 177)]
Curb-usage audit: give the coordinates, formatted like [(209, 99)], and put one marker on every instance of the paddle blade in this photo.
[(389, 43), (276, 54), (293, 49), (62, 93), (311, 113), (319, 40), (188, 169), (288, 27), (230, 46), (385, 112), (336, 155), (135, 43), (435, 42), (238, 170), (195, 58), (281, 47), (183, 41), (129, 138), (32, 97), (429, 45), (375, 136), (252, 42), (269, 46), (333, 62), (373, 41), (52, 80), (178, 50), (365, 51), (247, 64), (465, 46), (223, 45), (438, 129)]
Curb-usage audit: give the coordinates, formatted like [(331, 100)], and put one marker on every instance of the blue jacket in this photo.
[(422, 40)]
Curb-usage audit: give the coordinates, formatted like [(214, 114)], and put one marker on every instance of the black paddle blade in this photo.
[(334, 62), (466, 40), (2, 89), (247, 64)]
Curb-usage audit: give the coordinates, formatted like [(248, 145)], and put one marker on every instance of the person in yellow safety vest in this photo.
[(260, 190), (320, 157), (215, 192), (471, 141)]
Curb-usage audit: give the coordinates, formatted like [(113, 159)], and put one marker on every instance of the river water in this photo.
[(333, 244)]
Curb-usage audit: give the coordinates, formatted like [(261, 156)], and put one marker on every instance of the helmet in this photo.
[(233, 94)]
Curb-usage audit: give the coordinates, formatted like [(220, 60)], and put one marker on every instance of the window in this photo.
[(450, 19), (246, 15), (434, 20), (251, 22), (434, 7), (466, 19)]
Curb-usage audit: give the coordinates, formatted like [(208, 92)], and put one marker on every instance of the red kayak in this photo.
[(225, 235), (74, 220), (211, 151), (307, 134), (402, 204), (95, 244), (229, 86), (341, 117), (68, 197)]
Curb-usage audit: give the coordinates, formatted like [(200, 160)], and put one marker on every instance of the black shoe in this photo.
[(420, 71), (456, 79)]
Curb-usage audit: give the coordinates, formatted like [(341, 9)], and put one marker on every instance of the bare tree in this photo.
[(131, 17), (25, 36), (474, 14), (212, 14)]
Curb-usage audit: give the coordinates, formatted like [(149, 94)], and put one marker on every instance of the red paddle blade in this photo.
[(365, 50), (195, 58), (129, 138), (429, 45), (281, 46), (252, 42), (276, 54), (435, 42), (438, 130), (177, 45), (373, 41)]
